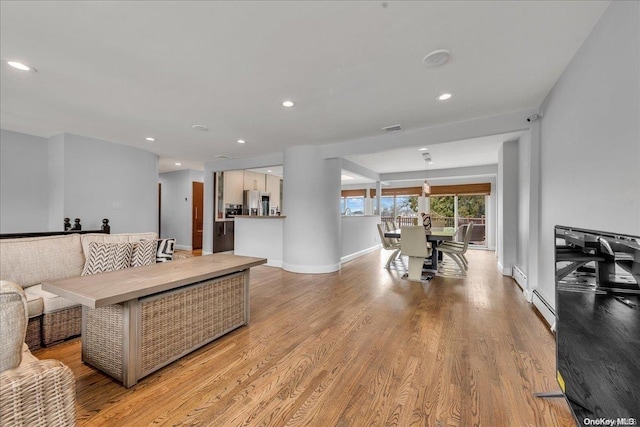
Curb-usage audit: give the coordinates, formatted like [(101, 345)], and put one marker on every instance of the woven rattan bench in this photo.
[(137, 320)]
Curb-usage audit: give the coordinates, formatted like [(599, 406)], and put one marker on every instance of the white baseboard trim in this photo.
[(274, 263), (358, 254), (311, 269), (184, 247), (207, 253)]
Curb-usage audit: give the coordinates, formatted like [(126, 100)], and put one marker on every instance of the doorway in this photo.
[(197, 221)]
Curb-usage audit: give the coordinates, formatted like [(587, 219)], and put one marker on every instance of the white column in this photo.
[(368, 205), (423, 204), (507, 206), (379, 197), (311, 241)]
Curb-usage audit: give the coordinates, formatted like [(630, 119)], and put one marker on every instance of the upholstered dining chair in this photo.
[(389, 245), (413, 243), (456, 251)]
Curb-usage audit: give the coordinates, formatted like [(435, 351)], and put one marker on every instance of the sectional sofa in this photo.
[(30, 261)]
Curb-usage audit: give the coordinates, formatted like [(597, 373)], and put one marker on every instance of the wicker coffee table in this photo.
[(137, 320)]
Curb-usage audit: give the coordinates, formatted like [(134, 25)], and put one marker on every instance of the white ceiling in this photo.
[(122, 71)]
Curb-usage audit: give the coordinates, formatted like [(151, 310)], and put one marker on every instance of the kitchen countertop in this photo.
[(261, 217)]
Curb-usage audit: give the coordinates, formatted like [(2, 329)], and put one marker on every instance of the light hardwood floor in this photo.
[(361, 347)]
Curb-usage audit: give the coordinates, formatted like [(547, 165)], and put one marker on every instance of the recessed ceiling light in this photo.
[(269, 170), (20, 66), (346, 177), (150, 139), (178, 164), (241, 141), (423, 149), (444, 96), (288, 104), (437, 58), (200, 128)]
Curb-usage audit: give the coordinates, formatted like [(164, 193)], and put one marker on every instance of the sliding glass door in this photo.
[(456, 212)]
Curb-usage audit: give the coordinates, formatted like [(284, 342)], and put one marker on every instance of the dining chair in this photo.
[(456, 251), (390, 225), (389, 245), (414, 244), (470, 231)]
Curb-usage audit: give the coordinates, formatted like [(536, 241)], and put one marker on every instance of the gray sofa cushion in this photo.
[(35, 304), (50, 302), (34, 260)]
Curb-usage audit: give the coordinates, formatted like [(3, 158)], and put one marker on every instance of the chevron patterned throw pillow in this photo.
[(104, 257), (144, 253), (165, 250)]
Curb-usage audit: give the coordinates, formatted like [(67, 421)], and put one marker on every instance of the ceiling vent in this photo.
[(394, 128)]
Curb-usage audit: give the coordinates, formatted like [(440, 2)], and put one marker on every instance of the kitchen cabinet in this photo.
[(228, 191), (273, 187), (223, 235), (254, 181), (233, 187)]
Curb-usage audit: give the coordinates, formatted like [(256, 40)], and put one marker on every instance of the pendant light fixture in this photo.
[(426, 188)]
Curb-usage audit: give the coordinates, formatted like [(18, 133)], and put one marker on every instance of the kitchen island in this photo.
[(260, 236)]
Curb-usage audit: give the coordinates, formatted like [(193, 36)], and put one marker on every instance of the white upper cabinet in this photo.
[(233, 187), (254, 181), (273, 187)]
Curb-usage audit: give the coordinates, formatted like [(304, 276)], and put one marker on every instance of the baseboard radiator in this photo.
[(519, 277), (545, 309)]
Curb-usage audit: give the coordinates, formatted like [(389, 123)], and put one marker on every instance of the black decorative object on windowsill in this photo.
[(106, 228), (76, 228)]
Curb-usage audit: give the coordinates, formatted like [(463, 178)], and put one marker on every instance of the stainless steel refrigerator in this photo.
[(256, 203)]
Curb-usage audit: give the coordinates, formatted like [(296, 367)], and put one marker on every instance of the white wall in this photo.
[(524, 187), (78, 177), (507, 197), (259, 237), (177, 201), (55, 174), (24, 194), (108, 180), (359, 235), (590, 138)]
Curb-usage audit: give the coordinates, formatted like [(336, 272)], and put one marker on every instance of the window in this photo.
[(399, 205), (442, 211), (457, 211), (352, 205), (387, 205)]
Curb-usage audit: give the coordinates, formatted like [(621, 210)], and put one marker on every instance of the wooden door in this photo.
[(197, 216)]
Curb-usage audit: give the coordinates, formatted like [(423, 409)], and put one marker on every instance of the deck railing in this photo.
[(478, 235), (401, 221)]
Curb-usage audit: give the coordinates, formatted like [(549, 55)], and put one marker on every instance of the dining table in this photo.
[(435, 236)]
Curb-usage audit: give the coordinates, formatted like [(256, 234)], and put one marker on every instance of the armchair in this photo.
[(32, 391)]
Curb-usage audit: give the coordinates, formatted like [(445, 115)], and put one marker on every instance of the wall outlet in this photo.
[(117, 205)]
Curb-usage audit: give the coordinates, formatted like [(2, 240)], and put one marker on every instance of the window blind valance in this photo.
[(354, 193), (437, 190)]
